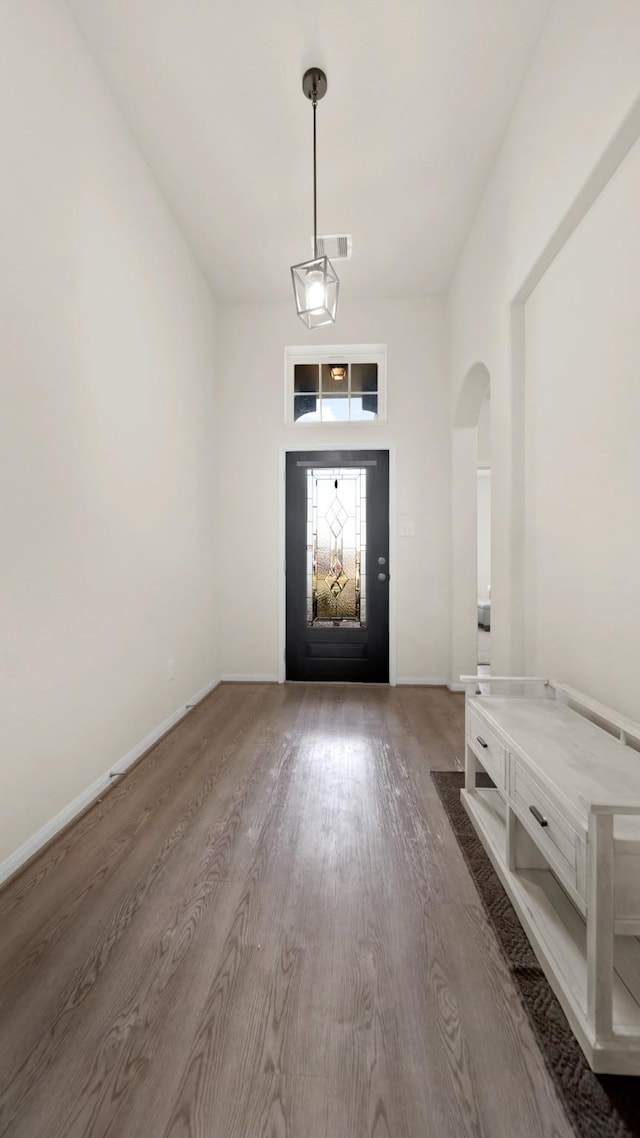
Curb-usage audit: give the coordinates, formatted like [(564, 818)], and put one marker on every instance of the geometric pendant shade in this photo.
[(316, 286)]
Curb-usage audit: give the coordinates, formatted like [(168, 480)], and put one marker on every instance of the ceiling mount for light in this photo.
[(315, 282)]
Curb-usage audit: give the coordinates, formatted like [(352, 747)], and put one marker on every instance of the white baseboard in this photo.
[(423, 681), (27, 850), (245, 678)]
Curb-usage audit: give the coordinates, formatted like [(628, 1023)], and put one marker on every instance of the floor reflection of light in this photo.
[(339, 767), (334, 751)]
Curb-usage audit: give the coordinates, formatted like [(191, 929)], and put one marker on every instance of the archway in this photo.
[(475, 388)]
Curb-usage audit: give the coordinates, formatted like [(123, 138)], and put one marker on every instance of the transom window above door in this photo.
[(336, 384)]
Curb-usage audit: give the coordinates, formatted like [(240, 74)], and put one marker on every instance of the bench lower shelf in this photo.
[(557, 933)]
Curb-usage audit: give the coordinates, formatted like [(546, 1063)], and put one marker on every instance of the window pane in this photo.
[(305, 408), (364, 377), (336, 392), (364, 407), (305, 377), (337, 553), (335, 408), (335, 379)]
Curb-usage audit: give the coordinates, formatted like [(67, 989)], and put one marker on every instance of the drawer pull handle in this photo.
[(481, 741), (538, 816)]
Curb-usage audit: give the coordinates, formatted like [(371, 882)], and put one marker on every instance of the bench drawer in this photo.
[(553, 833), (487, 747)]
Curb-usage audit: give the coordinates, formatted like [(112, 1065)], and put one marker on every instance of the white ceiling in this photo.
[(420, 93)]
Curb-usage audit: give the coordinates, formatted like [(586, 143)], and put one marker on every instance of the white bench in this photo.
[(562, 828)]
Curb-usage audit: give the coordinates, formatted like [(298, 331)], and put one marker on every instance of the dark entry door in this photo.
[(337, 566)]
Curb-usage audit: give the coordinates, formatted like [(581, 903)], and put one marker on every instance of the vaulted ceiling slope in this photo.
[(420, 94)]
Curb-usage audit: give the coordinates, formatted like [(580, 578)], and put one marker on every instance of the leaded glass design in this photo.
[(336, 546)]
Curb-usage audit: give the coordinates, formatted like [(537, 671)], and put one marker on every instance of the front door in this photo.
[(337, 566)]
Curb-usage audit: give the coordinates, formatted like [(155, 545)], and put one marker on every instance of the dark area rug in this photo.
[(598, 1106)]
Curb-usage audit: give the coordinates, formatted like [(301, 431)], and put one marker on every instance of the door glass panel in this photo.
[(336, 547)]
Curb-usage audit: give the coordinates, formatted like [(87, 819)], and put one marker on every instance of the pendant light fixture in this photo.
[(315, 282)]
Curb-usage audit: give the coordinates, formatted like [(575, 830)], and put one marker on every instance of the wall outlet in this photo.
[(171, 669)]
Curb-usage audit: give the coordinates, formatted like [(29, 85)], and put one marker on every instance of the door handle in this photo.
[(539, 817), (382, 576)]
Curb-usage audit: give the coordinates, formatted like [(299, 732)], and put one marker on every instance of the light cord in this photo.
[(315, 208)]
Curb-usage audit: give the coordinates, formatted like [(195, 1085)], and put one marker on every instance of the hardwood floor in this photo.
[(267, 929)]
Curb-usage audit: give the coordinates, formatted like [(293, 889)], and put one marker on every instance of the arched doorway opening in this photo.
[(483, 529), (470, 522)]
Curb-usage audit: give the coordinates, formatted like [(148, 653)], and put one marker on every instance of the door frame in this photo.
[(321, 448)]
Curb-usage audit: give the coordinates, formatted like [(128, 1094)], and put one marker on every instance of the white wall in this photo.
[(484, 434), (578, 112), (484, 535), (583, 453), (107, 432), (252, 339)]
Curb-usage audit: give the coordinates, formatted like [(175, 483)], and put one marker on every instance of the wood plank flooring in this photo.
[(267, 929)]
